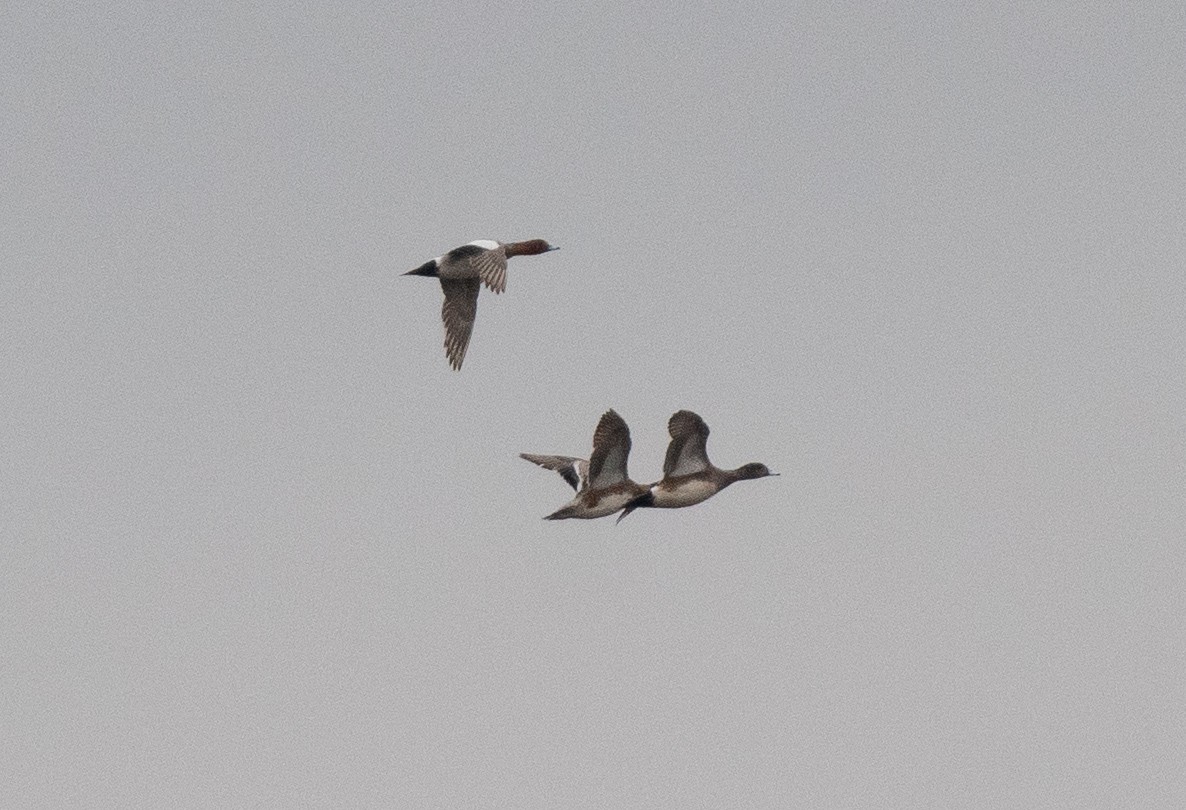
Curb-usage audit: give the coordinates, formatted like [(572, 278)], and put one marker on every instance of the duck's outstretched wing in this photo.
[(688, 451), (573, 470), (491, 267), (611, 449), (459, 312)]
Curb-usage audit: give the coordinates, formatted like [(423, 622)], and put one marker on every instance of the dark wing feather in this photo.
[(611, 449), (573, 470), (491, 267), (688, 451), (458, 312)]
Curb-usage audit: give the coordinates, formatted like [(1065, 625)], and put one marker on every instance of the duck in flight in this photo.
[(462, 271), (601, 483), (688, 476)]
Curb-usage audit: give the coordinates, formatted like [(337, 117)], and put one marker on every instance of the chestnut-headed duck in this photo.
[(688, 476), (601, 483), (462, 271)]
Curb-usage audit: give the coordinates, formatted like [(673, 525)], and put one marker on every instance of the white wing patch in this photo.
[(488, 244)]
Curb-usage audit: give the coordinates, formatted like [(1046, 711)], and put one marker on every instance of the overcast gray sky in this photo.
[(263, 548)]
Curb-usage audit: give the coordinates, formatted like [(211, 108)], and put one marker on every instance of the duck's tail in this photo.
[(644, 500)]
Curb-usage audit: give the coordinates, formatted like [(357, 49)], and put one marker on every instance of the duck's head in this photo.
[(529, 248), (753, 470)]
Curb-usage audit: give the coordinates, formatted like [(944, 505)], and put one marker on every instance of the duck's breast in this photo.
[(689, 491)]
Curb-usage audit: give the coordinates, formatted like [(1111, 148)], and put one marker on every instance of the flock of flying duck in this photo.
[(602, 483)]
